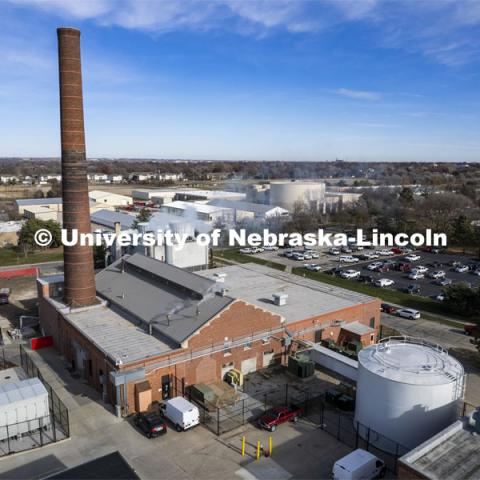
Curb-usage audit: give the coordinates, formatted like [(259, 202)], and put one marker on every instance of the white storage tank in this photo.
[(285, 194), (23, 407), (407, 391)]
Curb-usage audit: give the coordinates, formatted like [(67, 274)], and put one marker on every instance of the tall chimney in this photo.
[(79, 288)]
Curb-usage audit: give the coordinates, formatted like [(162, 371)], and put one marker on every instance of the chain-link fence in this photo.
[(29, 434)]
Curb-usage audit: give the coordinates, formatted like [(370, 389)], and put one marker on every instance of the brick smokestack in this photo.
[(79, 288)]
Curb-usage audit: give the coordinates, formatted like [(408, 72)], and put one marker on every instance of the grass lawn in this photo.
[(236, 256), (10, 257)]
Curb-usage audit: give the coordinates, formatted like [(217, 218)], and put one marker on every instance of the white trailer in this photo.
[(24, 408)]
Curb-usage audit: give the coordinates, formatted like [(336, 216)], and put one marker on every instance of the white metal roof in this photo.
[(411, 361), (23, 390)]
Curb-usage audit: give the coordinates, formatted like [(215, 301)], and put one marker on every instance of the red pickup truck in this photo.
[(278, 415)]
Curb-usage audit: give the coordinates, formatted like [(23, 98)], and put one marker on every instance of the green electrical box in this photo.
[(301, 366)]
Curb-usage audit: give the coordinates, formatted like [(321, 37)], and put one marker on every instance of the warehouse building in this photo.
[(161, 196), (109, 198), (166, 326), (199, 211), (245, 211)]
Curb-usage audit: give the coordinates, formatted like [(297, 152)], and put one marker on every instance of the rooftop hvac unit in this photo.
[(301, 366), (280, 298)]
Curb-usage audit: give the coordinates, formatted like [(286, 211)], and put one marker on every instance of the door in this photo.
[(249, 365), (165, 387)]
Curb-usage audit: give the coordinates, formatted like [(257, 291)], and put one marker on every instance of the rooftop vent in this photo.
[(280, 299)]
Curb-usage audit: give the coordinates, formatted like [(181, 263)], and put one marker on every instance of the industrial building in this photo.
[(192, 256), (453, 453), (160, 196), (198, 327), (199, 211), (109, 198), (53, 204), (248, 211), (105, 220)]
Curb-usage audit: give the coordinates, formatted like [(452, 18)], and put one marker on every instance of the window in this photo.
[(227, 352), (265, 341), (372, 337), (372, 322), (247, 346)]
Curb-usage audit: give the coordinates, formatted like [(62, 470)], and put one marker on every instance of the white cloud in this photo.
[(79, 9), (359, 94)]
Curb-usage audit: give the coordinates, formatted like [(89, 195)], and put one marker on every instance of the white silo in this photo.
[(407, 391), (285, 194)]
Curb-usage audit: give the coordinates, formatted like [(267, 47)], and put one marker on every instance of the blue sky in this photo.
[(244, 79)]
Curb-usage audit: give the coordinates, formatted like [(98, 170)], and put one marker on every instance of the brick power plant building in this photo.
[(141, 320)]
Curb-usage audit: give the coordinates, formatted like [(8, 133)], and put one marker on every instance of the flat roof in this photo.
[(259, 208), (108, 218), (39, 201), (453, 453), (119, 338), (307, 298), (412, 361), (358, 328), (198, 207)]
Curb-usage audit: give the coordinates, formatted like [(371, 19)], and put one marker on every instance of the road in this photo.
[(453, 339)]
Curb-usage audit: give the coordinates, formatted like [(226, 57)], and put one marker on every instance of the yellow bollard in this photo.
[(258, 449), (270, 445), (243, 446)]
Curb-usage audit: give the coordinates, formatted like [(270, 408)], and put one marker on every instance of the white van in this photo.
[(182, 413), (359, 464)]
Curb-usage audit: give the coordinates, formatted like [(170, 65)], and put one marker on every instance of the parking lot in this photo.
[(428, 288)]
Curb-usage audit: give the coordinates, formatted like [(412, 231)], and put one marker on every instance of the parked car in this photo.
[(357, 465), (461, 269), (443, 282), (334, 251), (274, 417), (384, 282), (314, 255), (374, 265), (412, 257), (182, 413), (366, 279), (421, 269), (346, 249), (334, 271), (307, 256), (270, 248), (397, 251), (349, 274), (437, 274), (313, 267), (476, 272), (4, 295), (440, 297), (412, 289), (414, 275), (151, 424), (390, 309), (471, 329), (385, 252), (403, 266), (348, 259), (246, 250), (408, 313)]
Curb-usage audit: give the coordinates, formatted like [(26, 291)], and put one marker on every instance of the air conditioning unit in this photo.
[(280, 298)]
